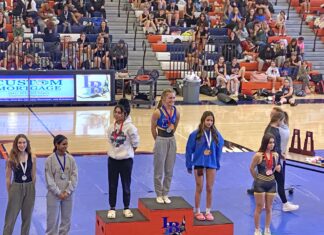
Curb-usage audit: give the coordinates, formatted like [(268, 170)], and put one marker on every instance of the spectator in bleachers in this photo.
[(221, 73), (18, 29), (97, 6), (104, 31), (147, 22), (3, 24), (14, 54), (67, 19), (119, 55), (192, 57), (101, 54), (273, 75), (260, 37), (46, 14), (234, 18), (250, 4), (30, 65), (158, 4), (172, 12), (29, 48), (50, 35), (78, 11), (264, 5), (84, 51), (266, 55), (237, 49), (189, 14), (287, 71), (305, 4), (281, 52), (19, 8), (301, 46), (286, 93), (64, 64), (205, 85), (75, 12), (293, 47), (31, 9), (219, 8), (303, 75), (260, 15), (145, 4), (295, 62), (236, 71), (281, 23), (201, 34), (233, 84), (250, 18), (68, 48), (160, 22), (205, 8)]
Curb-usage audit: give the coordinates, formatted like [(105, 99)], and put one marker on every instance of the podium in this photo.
[(152, 218)]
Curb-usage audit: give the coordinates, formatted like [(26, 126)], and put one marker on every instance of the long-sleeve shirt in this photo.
[(53, 173), (195, 151)]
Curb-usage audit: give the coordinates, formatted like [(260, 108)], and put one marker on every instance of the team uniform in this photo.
[(265, 181)]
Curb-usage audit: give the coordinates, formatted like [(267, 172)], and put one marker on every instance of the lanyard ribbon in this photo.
[(62, 166), (24, 168), (208, 139), (168, 115), (119, 132), (269, 162)]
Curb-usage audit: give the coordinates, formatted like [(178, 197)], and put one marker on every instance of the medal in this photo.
[(24, 169), (207, 151), (269, 164), (170, 127), (63, 176), (269, 172), (116, 132)]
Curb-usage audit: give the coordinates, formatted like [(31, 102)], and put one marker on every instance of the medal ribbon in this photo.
[(62, 166), (24, 168), (269, 162), (168, 115), (120, 130), (208, 139)]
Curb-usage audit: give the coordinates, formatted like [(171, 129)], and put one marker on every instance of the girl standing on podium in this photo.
[(61, 174), (21, 190), (203, 152), (123, 140), (164, 124)]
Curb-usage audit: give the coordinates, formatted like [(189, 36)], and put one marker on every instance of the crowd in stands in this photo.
[(249, 23), (61, 34)]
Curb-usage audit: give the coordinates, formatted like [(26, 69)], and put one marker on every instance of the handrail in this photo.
[(144, 46), (289, 5), (316, 33), (303, 18), (135, 35), (276, 2), (118, 8)]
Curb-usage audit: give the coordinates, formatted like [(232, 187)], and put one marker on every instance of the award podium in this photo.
[(152, 218), (297, 149)]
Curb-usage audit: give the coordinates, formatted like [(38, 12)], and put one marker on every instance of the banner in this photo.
[(14, 88)]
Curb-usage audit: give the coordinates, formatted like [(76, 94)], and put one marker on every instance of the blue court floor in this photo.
[(230, 195)]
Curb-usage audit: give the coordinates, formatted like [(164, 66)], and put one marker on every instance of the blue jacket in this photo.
[(195, 152)]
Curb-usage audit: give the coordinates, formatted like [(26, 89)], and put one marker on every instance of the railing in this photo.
[(118, 8), (316, 33), (303, 18), (129, 9), (288, 11), (135, 35), (276, 2), (144, 46), (49, 55)]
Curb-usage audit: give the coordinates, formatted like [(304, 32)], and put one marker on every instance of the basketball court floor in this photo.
[(242, 126)]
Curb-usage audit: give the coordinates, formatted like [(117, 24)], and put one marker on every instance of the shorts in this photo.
[(265, 184)]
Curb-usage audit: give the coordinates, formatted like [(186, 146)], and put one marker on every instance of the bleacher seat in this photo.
[(218, 31)]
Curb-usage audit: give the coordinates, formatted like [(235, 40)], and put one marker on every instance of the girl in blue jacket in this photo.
[(203, 152)]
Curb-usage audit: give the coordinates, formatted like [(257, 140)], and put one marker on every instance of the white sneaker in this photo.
[(288, 206), (267, 232), (159, 200), (258, 232), (166, 199)]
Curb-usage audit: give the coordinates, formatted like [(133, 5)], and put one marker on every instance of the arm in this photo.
[(254, 163), (49, 177), (74, 177), (8, 175), (177, 121), (34, 169), (190, 149), (134, 137), (278, 166), (154, 119)]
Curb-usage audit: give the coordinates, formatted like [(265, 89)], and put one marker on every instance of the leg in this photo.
[(281, 186), (259, 203), (113, 174), (53, 211), (66, 213), (260, 64), (169, 165), (210, 179), (268, 206), (126, 176), (199, 186), (27, 207), (160, 154)]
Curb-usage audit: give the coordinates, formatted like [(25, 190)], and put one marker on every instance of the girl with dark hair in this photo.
[(61, 174), (21, 190), (123, 140), (265, 160), (203, 152), (164, 124)]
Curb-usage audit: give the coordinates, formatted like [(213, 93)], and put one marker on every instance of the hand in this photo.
[(189, 171), (283, 155), (278, 168), (61, 196)]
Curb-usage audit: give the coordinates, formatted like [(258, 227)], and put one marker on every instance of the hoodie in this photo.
[(122, 146)]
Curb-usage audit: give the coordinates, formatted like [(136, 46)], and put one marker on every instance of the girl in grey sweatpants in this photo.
[(61, 174)]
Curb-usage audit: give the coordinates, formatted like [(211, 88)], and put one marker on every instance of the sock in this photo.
[(207, 210), (197, 210)]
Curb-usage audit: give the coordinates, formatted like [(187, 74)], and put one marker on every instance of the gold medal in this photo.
[(207, 152)]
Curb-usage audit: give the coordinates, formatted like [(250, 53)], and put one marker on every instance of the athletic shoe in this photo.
[(267, 232), (166, 199), (288, 206), (258, 232), (159, 200)]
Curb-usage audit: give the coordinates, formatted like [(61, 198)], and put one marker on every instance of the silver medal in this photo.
[(24, 177), (63, 177), (168, 130)]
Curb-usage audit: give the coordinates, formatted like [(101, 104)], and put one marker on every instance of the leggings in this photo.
[(280, 178)]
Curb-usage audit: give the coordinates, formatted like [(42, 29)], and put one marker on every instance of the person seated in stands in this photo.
[(45, 13), (147, 22), (264, 5), (221, 73), (292, 47), (201, 34), (242, 34), (236, 71), (281, 52), (66, 19), (145, 4), (119, 54), (18, 8), (301, 46), (3, 25), (205, 85), (104, 31), (97, 5), (287, 71), (14, 54), (234, 18), (67, 47), (172, 12), (74, 10), (101, 54), (295, 63), (303, 75), (233, 83), (157, 5), (29, 48), (64, 65), (160, 22), (192, 57), (273, 75), (285, 94), (281, 23), (18, 29), (189, 14), (305, 5), (250, 18), (50, 35), (250, 4), (31, 9), (234, 40), (265, 57), (259, 36), (84, 49), (30, 65), (205, 8)]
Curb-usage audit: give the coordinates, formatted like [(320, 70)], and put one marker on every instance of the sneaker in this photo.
[(288, 206), (209, 216), (258, 232), (159, 200), (166, 199), (128, 213), (267, 232)]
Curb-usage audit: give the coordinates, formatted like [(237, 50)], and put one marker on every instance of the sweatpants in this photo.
[(56, 208), (280, 178), (21, 198), (124, 169), (165, 149)]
